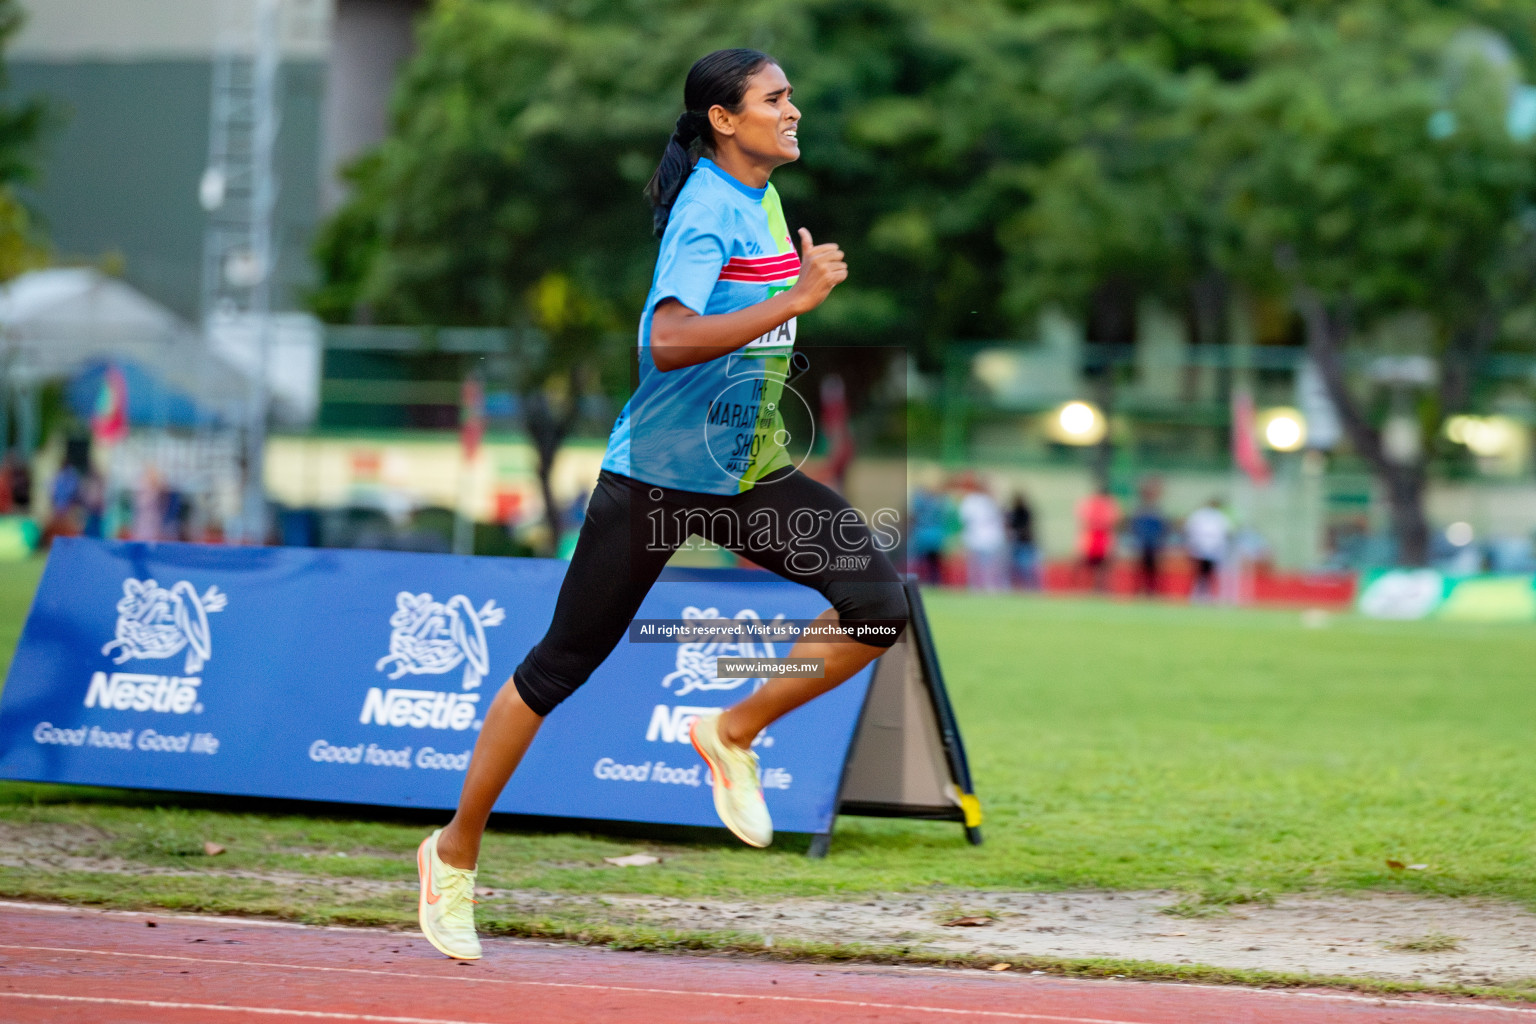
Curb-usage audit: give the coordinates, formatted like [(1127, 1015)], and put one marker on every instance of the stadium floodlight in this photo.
[(1284, 429), (1077, 422)]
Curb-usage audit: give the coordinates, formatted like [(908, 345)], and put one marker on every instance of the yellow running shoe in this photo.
[(738, 788), (446, 908)]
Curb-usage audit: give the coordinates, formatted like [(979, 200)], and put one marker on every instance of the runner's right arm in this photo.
[(681, 337)]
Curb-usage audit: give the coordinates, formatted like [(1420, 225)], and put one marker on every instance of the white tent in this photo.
[(54, 322)]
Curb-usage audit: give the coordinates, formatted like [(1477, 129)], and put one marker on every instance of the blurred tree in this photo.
[(524, 130), (21, 246), (1365, 146), (916, 116), (1128, 204), (1128, 208), (1375, 175)]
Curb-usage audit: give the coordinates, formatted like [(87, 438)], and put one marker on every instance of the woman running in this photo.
[(699, 449)]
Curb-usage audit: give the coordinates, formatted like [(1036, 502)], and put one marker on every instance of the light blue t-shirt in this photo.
[(716, 426)]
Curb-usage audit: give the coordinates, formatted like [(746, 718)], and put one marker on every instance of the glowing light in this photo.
[(1284, 434), (1077, 418), (1078, 423), (1459, 534), (1488, 436), (1283, 429)]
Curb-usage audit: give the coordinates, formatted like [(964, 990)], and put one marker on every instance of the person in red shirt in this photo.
[(1098, 517)]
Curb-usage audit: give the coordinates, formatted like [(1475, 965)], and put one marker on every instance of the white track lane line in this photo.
[(1405, 1004), (225, 919), (265, 1011), (612, 989)]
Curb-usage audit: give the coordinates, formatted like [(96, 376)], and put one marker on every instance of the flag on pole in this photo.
[(471, 433), (109, 423), (471, 417), (1245, 437), (834, 425)]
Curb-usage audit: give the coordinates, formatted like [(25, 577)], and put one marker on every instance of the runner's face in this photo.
[(766, 126)]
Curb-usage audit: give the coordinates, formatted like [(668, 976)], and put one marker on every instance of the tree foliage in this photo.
[(1376, 173), (21, 247), (524, 131)]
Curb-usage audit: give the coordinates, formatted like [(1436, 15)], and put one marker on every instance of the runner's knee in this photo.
[(874, 604), (545, 679)]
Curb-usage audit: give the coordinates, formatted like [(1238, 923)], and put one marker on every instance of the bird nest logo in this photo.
[(432, 638), (697, 662), (153, 622)]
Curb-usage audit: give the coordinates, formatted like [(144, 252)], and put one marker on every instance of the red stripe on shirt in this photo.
[(763, 262), (761, 269), (758, 278)]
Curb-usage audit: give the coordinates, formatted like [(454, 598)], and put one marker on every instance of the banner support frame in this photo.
[(968, 812)]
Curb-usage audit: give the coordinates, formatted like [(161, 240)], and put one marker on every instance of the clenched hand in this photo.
[(822, 268)]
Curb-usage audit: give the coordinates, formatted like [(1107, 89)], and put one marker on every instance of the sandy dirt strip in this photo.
[(1375, 935)]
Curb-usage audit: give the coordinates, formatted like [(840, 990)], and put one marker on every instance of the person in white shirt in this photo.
[(1207, 533), (984, 535)]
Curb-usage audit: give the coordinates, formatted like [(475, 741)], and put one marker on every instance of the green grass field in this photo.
[(1228, 753)]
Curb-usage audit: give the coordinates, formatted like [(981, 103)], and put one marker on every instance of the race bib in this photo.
[(778, 342)]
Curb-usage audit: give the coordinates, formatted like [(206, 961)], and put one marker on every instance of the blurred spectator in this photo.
[(983, 535), (297, 527), (173, 524), (1206, 534), (1511, 555), (66, 489), (93, 505), (576, 512), (118, 517), (64, 497), (1026, 556), (928, 535), (7, 500), (1098, 516), (148, 507), (1149, 530), (21, 483)]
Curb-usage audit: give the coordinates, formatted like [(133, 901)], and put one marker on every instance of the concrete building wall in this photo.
[(135, 30), (370, 40), (129, 84), (120, 168)]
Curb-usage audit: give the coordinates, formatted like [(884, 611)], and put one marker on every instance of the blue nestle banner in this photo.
[(361, 676)]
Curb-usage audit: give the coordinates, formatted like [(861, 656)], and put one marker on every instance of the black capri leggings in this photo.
[(787, 523)]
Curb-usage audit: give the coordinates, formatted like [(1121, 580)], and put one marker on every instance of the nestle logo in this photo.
[(419, 709), (138, 691)]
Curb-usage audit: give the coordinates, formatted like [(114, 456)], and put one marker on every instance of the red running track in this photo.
[(64, 965)]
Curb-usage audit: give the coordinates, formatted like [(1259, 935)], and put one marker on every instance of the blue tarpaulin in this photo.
[(151, 402)]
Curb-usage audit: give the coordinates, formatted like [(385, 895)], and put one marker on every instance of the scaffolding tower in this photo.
[(238, 192)]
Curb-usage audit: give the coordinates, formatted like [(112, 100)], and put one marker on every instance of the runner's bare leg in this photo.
[(510, 726), (741, 722)]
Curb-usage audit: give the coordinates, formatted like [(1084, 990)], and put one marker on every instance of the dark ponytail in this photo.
[(717, 79)]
